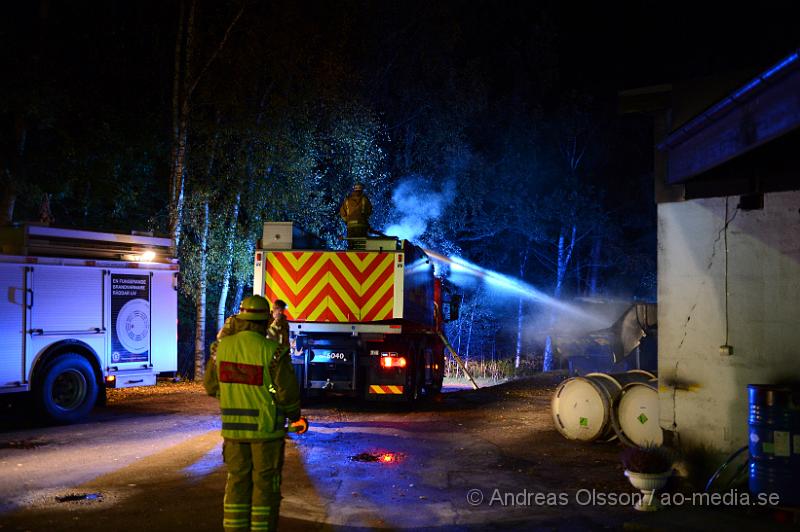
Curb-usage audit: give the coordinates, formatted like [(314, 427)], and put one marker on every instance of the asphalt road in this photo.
[(471, 460)]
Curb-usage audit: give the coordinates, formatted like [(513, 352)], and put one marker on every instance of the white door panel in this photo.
[(66, 299), (12, 323), (165, 322)]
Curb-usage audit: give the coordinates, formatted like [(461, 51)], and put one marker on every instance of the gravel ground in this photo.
[(467, 460)]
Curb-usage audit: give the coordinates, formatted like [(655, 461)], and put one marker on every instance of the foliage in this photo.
[(650, 459), (303, 101)]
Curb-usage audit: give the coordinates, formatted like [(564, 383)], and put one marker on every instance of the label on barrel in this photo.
[(783, 443), (584, 422), (642, 418)]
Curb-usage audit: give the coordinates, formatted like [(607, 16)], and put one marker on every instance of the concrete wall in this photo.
[(703, 394)]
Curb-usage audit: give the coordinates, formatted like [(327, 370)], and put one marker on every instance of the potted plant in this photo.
[(648, 469)]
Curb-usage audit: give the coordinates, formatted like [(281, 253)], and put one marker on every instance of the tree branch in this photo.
[(214, 55)]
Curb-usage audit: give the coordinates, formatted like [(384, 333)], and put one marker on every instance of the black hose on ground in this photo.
[(725, 465)]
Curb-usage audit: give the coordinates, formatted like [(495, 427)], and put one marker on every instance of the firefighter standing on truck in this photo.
[(253, 378), (355, 211)]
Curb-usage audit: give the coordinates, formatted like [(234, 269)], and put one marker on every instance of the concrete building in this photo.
[(727, 172)]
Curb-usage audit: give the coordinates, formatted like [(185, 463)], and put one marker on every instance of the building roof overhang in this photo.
[(765, 108)]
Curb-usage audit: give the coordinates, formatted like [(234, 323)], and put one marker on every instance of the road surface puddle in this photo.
[(383, 458), (74, 497)]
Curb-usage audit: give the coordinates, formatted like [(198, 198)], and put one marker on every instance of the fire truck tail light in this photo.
[(393, 362)]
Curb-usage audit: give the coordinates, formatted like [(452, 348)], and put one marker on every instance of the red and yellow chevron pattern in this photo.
[(332, 286), (385, 389)]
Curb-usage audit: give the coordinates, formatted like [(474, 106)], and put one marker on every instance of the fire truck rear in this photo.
[(363, 322)]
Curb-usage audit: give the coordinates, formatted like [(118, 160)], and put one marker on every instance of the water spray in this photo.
[(513, 286)]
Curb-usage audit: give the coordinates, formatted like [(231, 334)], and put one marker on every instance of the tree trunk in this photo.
[(564, 256), (522, 262), (200, 300), (179, 125), (14, 171), (230, 235), (237, 296), (548, 364), (8, 200), (471, 322), (595, 266), (178, 180), (183, 85)]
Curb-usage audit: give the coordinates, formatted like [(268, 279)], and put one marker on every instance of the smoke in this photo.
[(416, 203), (588, 315)]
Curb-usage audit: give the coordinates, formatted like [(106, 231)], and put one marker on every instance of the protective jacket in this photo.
[(256, 386), (356, 209), (279, 331)]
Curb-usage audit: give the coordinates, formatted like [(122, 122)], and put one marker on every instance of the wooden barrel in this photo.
[(582, 406), (635, 415)]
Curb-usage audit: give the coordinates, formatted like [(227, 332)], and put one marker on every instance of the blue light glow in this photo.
[(510, 285), (780, 66), (418, 266), (210, 462)]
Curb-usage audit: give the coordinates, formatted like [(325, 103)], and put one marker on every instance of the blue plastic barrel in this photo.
[(775, 441)]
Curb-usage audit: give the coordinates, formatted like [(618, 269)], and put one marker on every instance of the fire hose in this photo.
[(458, 360)]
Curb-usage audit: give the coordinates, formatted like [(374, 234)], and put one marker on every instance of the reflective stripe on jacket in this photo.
[(248, 408), (356, 209)]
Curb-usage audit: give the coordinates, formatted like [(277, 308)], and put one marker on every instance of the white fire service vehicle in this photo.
[(81, 311)]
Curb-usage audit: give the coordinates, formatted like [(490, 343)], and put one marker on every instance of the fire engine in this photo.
[(81, 311), (365, 322)]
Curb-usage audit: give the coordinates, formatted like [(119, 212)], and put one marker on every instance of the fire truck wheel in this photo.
[(67, 388), (419, 377), (413, 385), (436, 386)]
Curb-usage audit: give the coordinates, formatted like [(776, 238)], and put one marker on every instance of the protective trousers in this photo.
[(253, 489), (357, 230)]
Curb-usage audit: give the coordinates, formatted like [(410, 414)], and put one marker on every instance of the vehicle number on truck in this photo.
[(338, 356)]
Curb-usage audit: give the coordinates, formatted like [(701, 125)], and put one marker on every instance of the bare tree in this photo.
[(184, 84), (200, 296), (230, 238)]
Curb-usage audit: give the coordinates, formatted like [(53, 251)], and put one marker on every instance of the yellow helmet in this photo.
[(254, 308)]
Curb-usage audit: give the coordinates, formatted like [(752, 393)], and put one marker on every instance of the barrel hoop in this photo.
[(605, 376), (641, 372)]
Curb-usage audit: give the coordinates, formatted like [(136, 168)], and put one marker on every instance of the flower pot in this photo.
[(648, 483)]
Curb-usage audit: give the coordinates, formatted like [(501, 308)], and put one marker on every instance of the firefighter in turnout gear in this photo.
[(355, 211), (279, 328), (253, 378)]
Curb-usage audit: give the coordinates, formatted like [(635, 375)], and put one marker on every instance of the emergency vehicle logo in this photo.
[(133, 326)]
